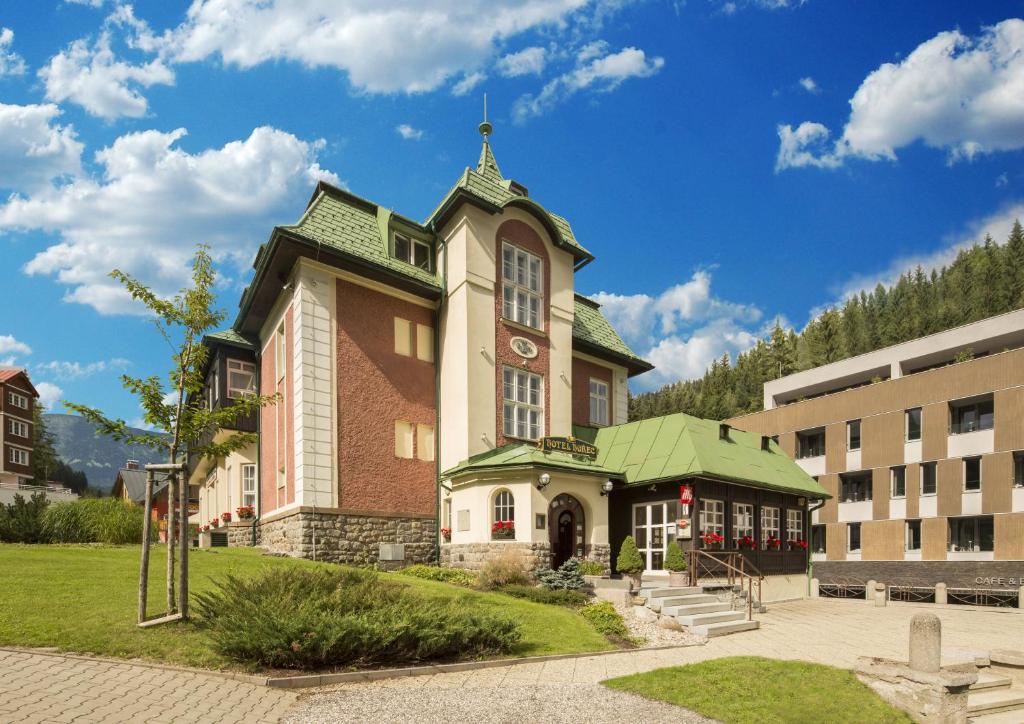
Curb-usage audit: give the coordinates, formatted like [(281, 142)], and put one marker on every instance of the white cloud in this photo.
[(33, 149), (10, 346), (964, 95), (408, 132), (154, 202), (595, 69), (1002, 180), (10, 62), (64, 370), (809, 85), (103, 85), (468, 83), (807, 145), (682, 329), (529, 61), (90, 3), (49, 394)]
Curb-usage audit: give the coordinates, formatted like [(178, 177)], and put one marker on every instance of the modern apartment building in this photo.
[(17, 398), (921, 446)]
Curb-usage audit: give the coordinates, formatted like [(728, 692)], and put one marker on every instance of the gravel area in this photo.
[(549, 703), (654, 634)]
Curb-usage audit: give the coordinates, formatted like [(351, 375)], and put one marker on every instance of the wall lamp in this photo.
[(606, 487), (543, 481)]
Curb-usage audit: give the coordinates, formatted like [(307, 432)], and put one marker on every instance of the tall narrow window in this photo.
[(972, 473), (712, 517), (403, 337), (425, 442), (424, 343), (598, 402), (280, 347), (249, 486), (898, 477), (1018, 469), (913, 535), (928, 478), (913, 424), (742, 522), (503, 524), (403, 439), (853, 538), (853, 435), (522, 286), (523, 407), (241, 379), (794, 524), (770, 526), (817, 539)]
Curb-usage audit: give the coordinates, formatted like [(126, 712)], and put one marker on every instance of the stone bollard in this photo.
[(815, 584), (925, 642), (880, 594), (940, 593), (869, 591), (1020, 597)]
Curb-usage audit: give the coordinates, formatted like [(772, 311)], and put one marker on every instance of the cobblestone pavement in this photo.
[(58, 689)]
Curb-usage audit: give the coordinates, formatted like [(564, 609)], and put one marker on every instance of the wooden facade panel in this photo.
[(997, 483), (835, 542), (934, 535), (829, 513), (1009, 419), (882, 440), (913, 490), (880, 493), (835, 447), (1009, 537), (950, 487), (882, 540), (934, 430)]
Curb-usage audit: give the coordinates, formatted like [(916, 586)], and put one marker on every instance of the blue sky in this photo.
[(729, 163)]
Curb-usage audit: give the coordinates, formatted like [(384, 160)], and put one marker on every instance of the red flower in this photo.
[(446, 533)]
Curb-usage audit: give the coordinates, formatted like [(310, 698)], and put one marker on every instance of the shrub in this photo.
[(603, 617), (591, 568), (307, 618), (629, 561), (567, 577), (503, 570), (95, 520), (22, 520), (559, 597), (455, 576), (675, 561)]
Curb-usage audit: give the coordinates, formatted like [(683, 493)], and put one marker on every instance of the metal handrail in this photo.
[(728, 560)]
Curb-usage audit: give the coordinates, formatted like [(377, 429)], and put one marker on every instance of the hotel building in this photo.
[(17, 398)]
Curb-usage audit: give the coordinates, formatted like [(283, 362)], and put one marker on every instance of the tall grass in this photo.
[(93, 520)]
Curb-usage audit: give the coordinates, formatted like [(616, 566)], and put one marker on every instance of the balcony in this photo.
[(966, 444)]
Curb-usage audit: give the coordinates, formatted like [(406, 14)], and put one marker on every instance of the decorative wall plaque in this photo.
[(523, 347)]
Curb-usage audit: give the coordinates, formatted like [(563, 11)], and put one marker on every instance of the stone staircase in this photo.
[(697, 608), (996, 698)]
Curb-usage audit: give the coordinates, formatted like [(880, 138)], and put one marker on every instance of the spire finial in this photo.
[(485, 127)]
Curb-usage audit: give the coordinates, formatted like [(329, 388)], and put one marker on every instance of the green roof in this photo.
[(589, 325), (673, 447), (231, 337)]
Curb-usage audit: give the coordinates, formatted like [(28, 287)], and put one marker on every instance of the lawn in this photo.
[(84, 598), (754, 690)]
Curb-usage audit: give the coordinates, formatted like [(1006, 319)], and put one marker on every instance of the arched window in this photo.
[(503, 526)]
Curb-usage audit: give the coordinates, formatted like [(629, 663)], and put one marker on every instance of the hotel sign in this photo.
[(568, 445)]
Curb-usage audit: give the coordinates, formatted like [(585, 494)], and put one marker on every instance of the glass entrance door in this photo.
[(654, 527)]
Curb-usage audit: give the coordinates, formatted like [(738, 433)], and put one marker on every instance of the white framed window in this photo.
[(712, 516), (523, 410), (241, 379), (280, 348), (424, 343), (504, 507), (412, 251), (598, 402), (913, 537), (425, 442), (853, 435), (794, 524), (17, 400), (522, 286), (770, 523), (17, 456), (403, 337), (742, 521), (898, 482), (928, 478), (853, 538), (249, 485), (972, 474), (913, 424), (654, 528), (17, 428), (403, 439)]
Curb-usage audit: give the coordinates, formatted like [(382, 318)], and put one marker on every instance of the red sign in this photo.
[(685, 494)]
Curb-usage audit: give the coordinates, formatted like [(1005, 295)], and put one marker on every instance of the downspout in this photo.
[(810, 561), (259, 453), (437, 395)]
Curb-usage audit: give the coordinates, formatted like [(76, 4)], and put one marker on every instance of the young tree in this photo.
[(180, 422), (44, 455)]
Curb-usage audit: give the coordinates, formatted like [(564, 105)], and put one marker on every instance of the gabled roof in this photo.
[(231, 338), (590, 328), (525, 455), (9, 373), (134, 481)]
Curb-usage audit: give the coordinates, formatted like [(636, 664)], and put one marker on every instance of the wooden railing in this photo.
[(729, 567)]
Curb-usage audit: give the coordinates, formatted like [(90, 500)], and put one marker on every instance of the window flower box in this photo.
[(797, 545), (226, 517), (746, 543), (503, 530), (245, 512), (712, 541), (446, 535), (215, 522)]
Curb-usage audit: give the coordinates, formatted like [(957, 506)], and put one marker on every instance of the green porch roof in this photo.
[(232, 338), (526, 455), (591, 327)]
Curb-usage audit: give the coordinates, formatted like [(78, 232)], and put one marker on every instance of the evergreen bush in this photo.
[(539, 594), (22, 520), (606, 620), (309, 618), (566, 578), (455, 576), (629, 560), (675, 561)]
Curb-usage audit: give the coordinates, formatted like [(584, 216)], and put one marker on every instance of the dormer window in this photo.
[(522, 286), (412, 251)]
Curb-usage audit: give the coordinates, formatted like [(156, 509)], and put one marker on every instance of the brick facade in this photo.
[(582, 372)]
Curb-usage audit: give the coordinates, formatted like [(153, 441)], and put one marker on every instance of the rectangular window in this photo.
[(522, 286), (1018, 469), (928, 478), (17, 428), (811, 443), (425, 442), (412, 251), (855, 487), (424, 343), (853, 435), (742, 521), (282, 478), (817, 539), (712, 517), (898, 478), (280, 357), (17, 400), (913, 535), (971, 534), (523, 408), (770, 525), (913, 424), (249, 486), (972, 473), (241, 379), (17, 456), (403, 439), (853, 538), (794, 524), (598, 402), (971, 416), (403, 337)]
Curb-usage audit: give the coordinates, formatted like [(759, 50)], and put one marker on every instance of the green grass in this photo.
[(84, 598), (754, 690)]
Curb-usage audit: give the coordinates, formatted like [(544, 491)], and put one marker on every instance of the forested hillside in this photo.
[(984, 280)]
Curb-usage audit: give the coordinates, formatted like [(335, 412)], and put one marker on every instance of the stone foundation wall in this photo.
[(472, 556), (602, 553), (240, 533), (343, 538)]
